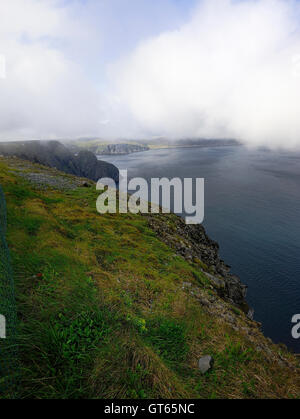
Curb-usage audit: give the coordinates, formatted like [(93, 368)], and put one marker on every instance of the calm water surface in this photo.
[(252, 209)]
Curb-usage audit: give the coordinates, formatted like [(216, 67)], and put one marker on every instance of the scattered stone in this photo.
[(230, 318), (206, 364), (265, 349), (283, 347), (250, 314), (217, 282), (204, 302), (86, 185), (44, 180)]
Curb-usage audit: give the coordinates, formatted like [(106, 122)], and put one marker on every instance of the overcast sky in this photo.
[(146, 68)]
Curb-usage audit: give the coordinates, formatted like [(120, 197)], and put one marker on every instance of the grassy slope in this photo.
[(103, 311)]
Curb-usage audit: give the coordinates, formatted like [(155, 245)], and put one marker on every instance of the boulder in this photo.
[(206, 364)]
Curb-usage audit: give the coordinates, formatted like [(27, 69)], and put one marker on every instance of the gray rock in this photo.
[(205, 364), (217, 282), (203, 301), (86, 185), (192, 243), (230, 318), (250, 314)]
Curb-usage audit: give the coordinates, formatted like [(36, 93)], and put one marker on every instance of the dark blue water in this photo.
[(252, 201)]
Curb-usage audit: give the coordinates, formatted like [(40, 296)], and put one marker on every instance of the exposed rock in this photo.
[(230, 318), (92, 168), (44, 181), (56, 155), (205, 364), (203, 301), (192, 243), (218, 283), (250, 314), (86, 185)]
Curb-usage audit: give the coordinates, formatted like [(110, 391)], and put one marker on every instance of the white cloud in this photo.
[(44, 93), (229, 72)]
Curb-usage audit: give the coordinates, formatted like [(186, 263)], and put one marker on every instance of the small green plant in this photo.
[(200, 278), (138, 323), (249, 389), (32, 225), (69, 344), (127, 299), (169, 340), (20, 192), (234, 354), (135, 381), (236, 311), (203, 333)]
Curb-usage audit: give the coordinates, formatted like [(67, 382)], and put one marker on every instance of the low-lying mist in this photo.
[(232, 71)]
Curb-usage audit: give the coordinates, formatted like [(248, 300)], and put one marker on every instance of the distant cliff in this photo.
[(55, 154), (121, 149)]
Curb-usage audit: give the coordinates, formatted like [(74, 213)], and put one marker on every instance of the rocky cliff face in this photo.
[(121, 149), (92, 168), (192, 242), (54, 154)]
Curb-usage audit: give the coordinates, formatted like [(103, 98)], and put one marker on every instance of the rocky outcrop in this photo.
[(92, 168), (192, 242), (56, 155), (122, 149)]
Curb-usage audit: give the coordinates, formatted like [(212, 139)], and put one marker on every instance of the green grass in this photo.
[(103, 313), (168, 339)]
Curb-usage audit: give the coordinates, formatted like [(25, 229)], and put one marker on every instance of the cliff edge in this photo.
[(56, 155), (127, 306)]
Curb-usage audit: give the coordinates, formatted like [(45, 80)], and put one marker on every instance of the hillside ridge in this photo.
[(125, 306), (54, 154)]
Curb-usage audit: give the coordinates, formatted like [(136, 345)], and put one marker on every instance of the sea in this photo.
[(252, 209)]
